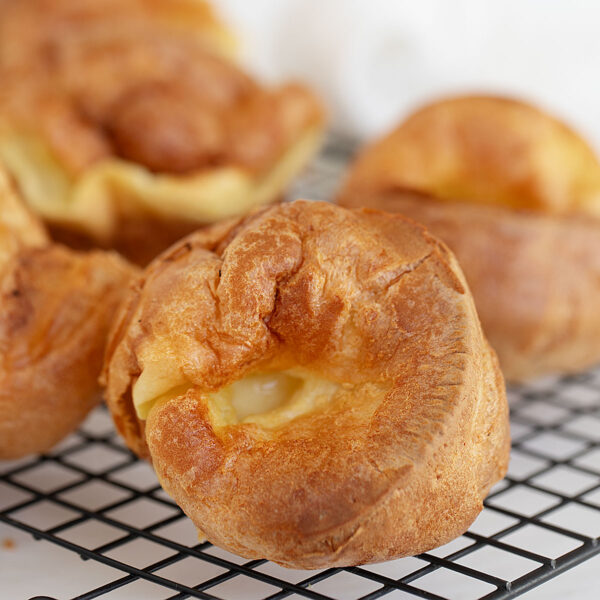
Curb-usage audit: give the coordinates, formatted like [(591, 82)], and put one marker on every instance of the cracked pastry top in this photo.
[(123, 122), (515, 194), (311, 385), (55, 310)]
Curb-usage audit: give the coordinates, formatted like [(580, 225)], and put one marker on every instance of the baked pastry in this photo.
[(312, 386), (131, 135), (516, 196), (55, 310), (31, 25)]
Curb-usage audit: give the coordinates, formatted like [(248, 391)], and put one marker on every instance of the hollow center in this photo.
[(261, 393), (270, 399)]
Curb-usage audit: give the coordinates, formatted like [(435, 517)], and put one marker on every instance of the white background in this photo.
[(374, 60)]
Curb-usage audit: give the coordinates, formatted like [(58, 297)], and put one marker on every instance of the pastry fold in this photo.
[(312, 386)]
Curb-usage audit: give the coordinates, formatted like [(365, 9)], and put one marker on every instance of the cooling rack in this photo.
[(91, 497)]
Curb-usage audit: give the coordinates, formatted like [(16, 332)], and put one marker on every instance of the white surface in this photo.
[(35, 568), (39, 568), (375, 60)]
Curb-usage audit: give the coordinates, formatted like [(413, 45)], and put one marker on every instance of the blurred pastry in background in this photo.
[(124, 129), (55, 310), (516, 195), (31, 26), (312, 386)]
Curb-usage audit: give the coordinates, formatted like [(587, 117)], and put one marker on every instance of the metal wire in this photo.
[(542, 520)]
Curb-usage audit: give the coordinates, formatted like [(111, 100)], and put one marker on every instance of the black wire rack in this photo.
[(91, 496)]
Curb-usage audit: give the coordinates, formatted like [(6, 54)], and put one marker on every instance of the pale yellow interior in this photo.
[(18, 227), (266, 399), (93, 201), (271, 399)]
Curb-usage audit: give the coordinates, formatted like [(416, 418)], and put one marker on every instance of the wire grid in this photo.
[(541, 520)]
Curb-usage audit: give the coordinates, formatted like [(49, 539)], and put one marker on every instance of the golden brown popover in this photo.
[(516, 196), (55, 310), (128, 131), (312, 386), (30, 25)]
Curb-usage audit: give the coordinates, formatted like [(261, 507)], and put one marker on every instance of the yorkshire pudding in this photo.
[(516, 196), (125, 130), (55, 311), (312, 386)]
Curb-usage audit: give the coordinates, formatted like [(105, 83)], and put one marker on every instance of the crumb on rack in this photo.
[(8, 544)]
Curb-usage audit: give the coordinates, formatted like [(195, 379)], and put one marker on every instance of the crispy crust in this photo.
[(113, 110), (55, 310), (517, 200), (397, 462)]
